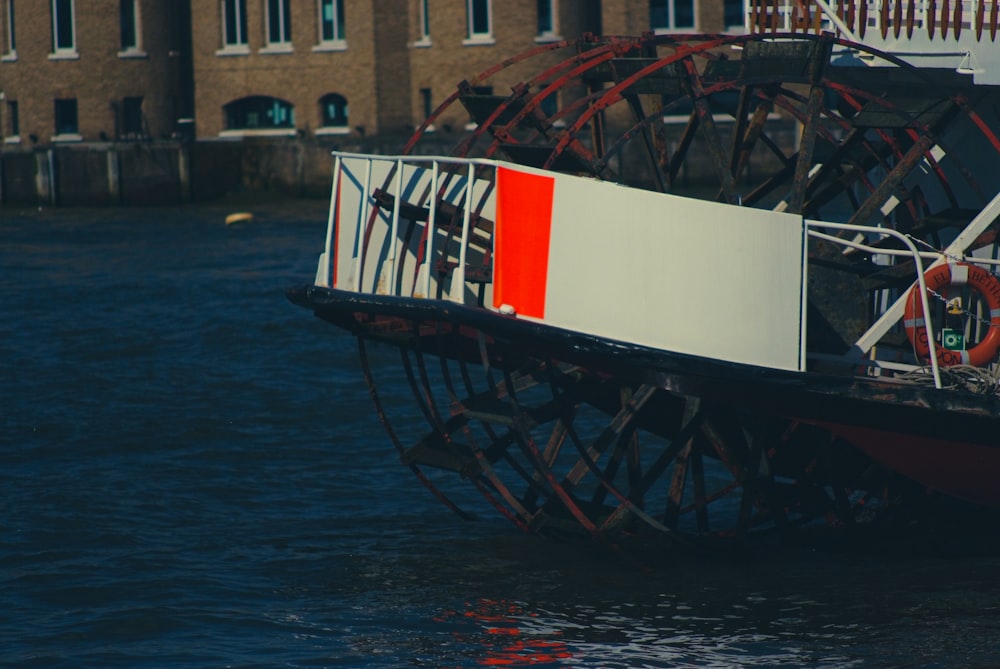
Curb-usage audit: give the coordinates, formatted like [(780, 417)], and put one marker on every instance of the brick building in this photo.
[(90, 90), (131, 69), (100, 71), (363, 67), (339, 67)]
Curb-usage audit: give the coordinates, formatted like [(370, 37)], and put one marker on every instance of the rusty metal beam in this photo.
[(750, 482), (709, 131), (653, 473), (676, 493), (807, 145), (394, 438), (739, 130), (611, 432), (687, 137), (815, 195), (698, 483), (744, 141), (640, 116), (871, 206)]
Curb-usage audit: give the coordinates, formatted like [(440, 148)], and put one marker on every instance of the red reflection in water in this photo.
[(507, 644)]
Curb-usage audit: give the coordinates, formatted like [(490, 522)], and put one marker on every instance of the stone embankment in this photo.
[(167, 172)]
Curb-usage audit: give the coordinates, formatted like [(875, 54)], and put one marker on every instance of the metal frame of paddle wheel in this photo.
[(576, 444), (568, 449)]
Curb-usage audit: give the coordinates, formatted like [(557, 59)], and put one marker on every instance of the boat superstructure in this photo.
[(692, 285)]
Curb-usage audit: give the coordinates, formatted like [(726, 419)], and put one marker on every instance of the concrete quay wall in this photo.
[(164, 173)]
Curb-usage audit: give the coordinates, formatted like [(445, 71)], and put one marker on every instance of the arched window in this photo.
[(259, 112), (333, 111)]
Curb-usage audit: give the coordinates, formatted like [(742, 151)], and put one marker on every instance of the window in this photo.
[(547, 28), (671, 14), (331, 22), (63, 28), (66, 118), (733, 14), (333, 115), (132, 125), (12, 133), (425, 23), (234, 24), (550, 105), (426, 105), (426, 108), (279, 23), (9, 43), (259, 112), (480, 22), (128, 13)]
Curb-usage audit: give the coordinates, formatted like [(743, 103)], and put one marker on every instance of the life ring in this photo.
[(955, 274)]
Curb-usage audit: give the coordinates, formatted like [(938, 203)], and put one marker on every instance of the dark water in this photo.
[(192, 476)]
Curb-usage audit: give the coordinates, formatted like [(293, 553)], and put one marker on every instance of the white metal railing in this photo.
[(855, 19), (436, 178), (814, 230)]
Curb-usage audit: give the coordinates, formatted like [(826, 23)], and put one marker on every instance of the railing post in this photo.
[(331, 220), (831, 14), (362, 222), (431, 229), (394, 234), (459, 274)]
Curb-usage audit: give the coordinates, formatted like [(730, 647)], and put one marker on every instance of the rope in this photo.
[(977, 380)]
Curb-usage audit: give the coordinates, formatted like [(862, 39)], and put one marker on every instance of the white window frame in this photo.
[(241, 46), (551, 35), (59, 52), (473, 38), (10, 37), (134, 51), (335, 43), (424, 19), (284, 43), (672, 20)]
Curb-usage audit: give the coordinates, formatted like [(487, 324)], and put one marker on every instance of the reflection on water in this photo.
[(508, 635), (627, 635), (522, 603)]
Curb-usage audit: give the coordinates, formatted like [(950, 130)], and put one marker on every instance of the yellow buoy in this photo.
[(239, 217)]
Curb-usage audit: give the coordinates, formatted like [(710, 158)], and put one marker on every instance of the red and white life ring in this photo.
[(955, 274)]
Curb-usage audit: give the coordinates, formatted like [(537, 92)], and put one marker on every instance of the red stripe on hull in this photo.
[(954, 467)]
